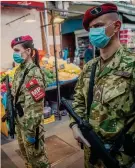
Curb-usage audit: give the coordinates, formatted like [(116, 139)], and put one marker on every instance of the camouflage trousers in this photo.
[(34, 158), (124, 160), (87, 154)]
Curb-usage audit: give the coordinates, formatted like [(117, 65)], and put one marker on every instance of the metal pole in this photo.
[(60, 40), (56, 66), (46, 28), (44, 45)]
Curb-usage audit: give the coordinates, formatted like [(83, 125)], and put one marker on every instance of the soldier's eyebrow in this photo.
[(97, 24)]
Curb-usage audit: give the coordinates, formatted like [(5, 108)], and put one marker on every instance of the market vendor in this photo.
[(108, 104), (28, 92)]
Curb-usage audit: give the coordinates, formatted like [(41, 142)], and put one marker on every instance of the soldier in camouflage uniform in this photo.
[(113, 99), (30, 103)]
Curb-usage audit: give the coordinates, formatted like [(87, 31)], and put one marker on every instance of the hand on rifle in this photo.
[(78, 135)]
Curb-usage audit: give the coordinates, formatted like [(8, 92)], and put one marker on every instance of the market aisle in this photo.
[(6, 161), (62, 148)]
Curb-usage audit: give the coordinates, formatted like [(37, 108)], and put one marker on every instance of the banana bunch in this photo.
[(71, 68), (64, 76)]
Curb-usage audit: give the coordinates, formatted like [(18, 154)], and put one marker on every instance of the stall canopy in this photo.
[(23, 4), (71, 25), (128, 19)]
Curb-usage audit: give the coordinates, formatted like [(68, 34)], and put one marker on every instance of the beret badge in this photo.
[(96, 11)]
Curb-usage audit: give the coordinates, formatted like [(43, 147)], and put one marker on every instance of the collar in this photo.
[(114, 63), (27, 65)]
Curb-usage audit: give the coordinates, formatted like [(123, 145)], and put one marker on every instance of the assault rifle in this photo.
[(97, 146)]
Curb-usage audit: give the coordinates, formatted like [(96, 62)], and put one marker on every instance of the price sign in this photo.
[(61, 66), (46, 62)]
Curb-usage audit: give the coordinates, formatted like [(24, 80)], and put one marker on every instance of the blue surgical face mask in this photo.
[(18, 58), (98, 37)]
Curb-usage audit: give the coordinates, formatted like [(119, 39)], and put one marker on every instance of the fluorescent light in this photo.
[(30, 21)]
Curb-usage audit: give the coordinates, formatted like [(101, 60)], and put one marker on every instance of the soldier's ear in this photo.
[(117, 26), (29, 51)]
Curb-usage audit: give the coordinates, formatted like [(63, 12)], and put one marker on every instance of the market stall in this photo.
[(67, 76), (127, 39)]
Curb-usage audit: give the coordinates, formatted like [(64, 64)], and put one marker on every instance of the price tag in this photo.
[(61, 66), (46, 62)]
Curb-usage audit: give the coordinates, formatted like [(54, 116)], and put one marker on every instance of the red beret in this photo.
[(95, 12), (21, 39)]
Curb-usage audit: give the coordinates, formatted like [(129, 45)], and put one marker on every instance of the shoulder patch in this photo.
[(35, 90), (123, 74)]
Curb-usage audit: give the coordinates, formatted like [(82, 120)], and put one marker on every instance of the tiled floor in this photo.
[(6, 161), (10, 158)]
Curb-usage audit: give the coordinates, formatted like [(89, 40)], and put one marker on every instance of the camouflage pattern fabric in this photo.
[(112, 99), (32, 118)]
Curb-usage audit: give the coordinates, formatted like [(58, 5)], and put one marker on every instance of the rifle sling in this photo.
[(21, 83), (90, 91)]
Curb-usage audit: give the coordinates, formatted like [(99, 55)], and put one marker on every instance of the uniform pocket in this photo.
[(113, 91)]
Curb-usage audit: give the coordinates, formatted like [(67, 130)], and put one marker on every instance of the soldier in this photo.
[(28, 91), (113, 100)]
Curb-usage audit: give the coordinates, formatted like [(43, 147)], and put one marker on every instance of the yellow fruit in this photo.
[(66, 71)]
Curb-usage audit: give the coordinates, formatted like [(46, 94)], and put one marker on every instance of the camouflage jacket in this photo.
[(113, 96), (33, 111)]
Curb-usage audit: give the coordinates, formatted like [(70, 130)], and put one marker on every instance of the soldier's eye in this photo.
[(16, 50), (98, 25)]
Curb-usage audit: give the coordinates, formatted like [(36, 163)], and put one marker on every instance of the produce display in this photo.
[(9, 72), (2, 75), (65, 71), (50, 77)]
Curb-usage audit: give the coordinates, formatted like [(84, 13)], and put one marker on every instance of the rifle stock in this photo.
[(97, 145)]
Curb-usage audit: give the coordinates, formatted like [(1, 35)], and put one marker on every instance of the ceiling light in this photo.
[(30, 20)]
